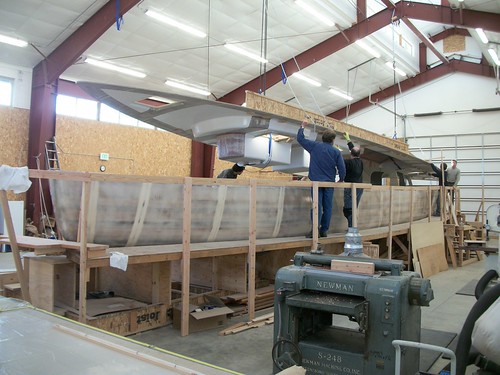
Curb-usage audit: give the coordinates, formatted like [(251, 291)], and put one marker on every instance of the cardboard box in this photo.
[(211, 314)]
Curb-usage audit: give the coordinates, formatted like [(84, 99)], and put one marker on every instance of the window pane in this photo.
[(127, 120), (65, 105), (86, 109), (108, 114), (5, 92)]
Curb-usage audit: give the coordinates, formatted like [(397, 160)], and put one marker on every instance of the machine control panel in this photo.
[(387, 307)]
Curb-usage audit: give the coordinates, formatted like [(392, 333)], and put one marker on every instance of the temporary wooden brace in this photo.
[(252, 247), (84, 271), (186, 255), (315, 213), (389, 237), (23, 280), (354, 206)]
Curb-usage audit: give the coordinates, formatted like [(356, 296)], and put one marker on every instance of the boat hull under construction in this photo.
[(143, 213)]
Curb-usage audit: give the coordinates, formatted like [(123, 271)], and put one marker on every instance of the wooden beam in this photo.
[(186, 254), (265, 104), (252, 247), (23, 279), (84, 270)]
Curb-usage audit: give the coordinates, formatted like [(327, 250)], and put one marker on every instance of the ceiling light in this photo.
[(116, 68), (494, 56), (306, 79), (482, 35), (397, 70), (367, 48), (246, 53), (13, 41), (184, 87), (174, 23), (341, 94), (315, 13)]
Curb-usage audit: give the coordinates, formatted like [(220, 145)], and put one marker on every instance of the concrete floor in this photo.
[(249, 352)]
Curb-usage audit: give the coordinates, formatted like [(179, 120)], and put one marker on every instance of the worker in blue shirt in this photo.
[(325, 162)]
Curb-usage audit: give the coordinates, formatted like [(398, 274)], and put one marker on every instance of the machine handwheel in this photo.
[(286, 354)]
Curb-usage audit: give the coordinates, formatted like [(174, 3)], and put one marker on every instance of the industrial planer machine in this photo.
[(333, 322)]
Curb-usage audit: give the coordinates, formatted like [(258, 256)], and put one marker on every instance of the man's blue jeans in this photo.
[(348, 203), (325, 208)]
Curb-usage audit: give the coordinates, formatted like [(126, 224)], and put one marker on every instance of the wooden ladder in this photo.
[(51, 155)]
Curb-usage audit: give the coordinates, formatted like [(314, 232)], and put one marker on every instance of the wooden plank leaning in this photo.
[(23, 280)]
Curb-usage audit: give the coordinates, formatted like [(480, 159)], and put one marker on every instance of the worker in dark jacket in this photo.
[(354, 173), (232, 172), (442, 175), (325, 162)]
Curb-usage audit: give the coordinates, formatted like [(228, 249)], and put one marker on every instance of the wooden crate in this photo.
[(370, 249), (131, 321)]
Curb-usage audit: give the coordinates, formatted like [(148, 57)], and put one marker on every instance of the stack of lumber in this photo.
[(264, 298), (243, 326)]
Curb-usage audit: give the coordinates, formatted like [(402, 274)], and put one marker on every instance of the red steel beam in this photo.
[(48, 70), (449, 16), (425, 40), (313, 55), (420, 79), (360, 10), (403, 9), (42, 122)]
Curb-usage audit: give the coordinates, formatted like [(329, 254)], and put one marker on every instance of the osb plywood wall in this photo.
[(14, 140), (454, 43), (131, 150)]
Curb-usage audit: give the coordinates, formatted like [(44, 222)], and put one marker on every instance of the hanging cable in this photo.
[(263, 49)]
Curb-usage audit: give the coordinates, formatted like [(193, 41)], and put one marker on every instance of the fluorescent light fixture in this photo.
[(13, 41), (306, 79), (116, 68), (397, 70), (340, 93), (315, 13), (494, 56), (246, 53), (170, 21), (182, 86), (367, 48), (482, 35)]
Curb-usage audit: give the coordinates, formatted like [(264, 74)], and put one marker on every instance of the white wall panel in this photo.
[(473, 138)]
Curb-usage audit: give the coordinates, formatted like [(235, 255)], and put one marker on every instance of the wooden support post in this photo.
[(354, 206), (21, 275), (315, 213), (84, 271), (430, 202), (252, 247), (389, 238), (408, 237), (186, 255)]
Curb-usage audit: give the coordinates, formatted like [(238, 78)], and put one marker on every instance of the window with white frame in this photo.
[(6, 91), (89, 109)]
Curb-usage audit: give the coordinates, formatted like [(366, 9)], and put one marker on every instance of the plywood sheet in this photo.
[(425, 234), (432, 260)]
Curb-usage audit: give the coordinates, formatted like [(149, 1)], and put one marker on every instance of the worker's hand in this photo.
[(304, 123), (346, 136)]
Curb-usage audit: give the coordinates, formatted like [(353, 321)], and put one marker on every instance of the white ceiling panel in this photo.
[(162, 52)]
